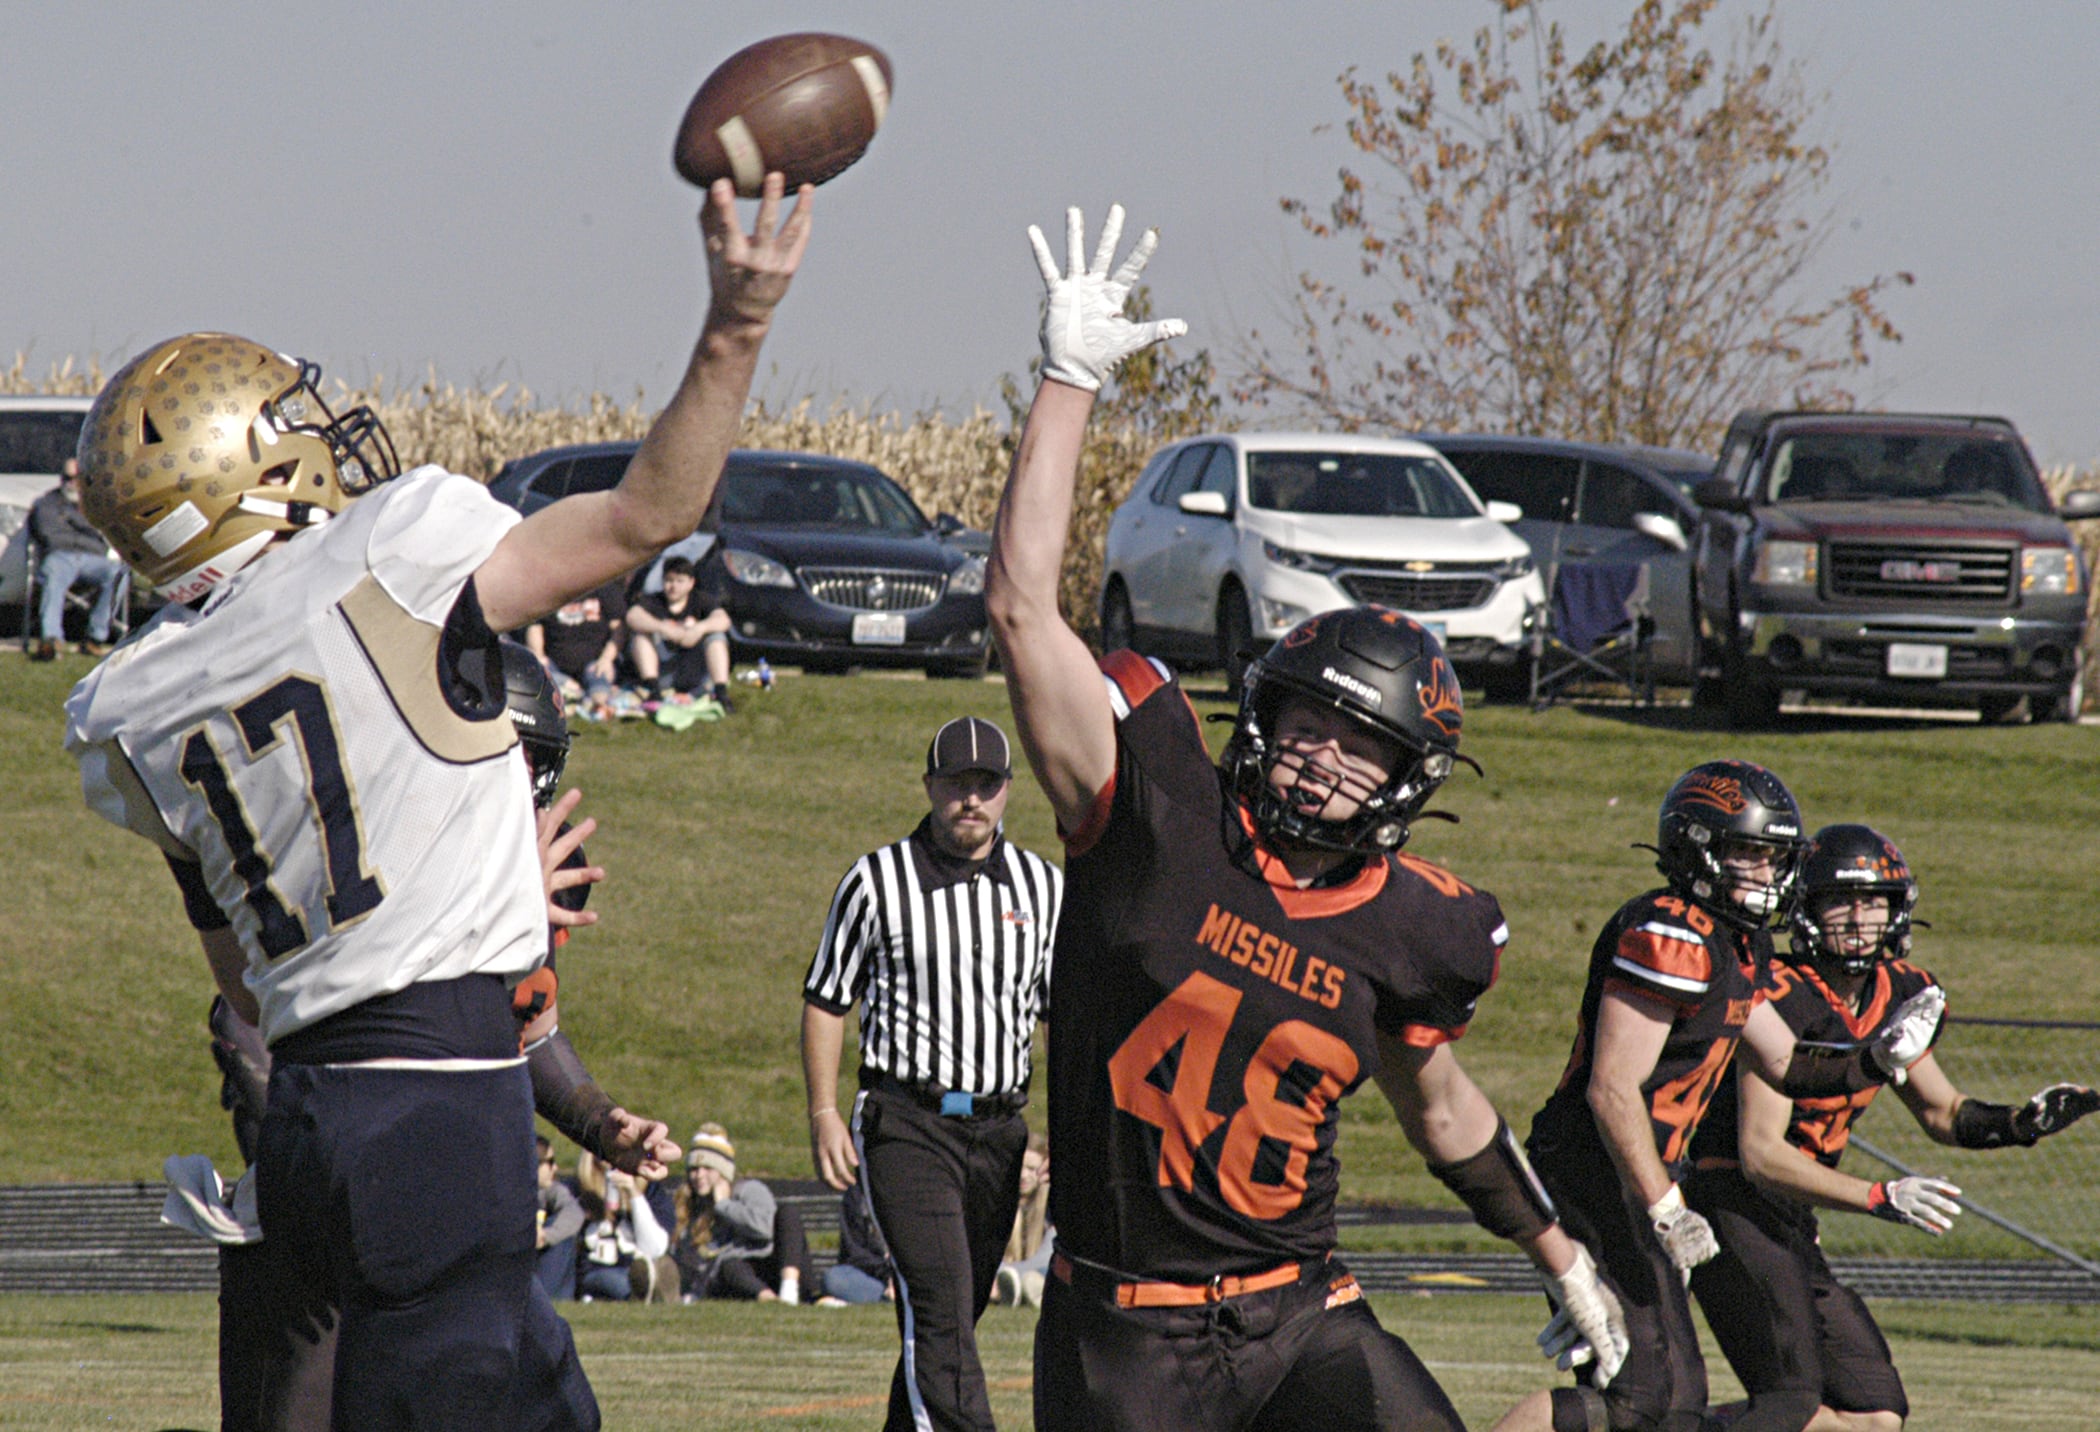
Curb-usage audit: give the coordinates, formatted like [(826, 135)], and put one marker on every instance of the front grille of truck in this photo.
[(1923, 572)]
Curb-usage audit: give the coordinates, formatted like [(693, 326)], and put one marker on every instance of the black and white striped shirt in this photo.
[(950, 963)]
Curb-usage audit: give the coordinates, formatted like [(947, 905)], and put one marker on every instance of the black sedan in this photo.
[(831, 563)]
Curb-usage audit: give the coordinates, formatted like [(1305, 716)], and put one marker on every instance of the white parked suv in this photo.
[(1229, 540)]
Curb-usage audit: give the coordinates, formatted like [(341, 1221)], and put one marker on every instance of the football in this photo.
[(806, 105)]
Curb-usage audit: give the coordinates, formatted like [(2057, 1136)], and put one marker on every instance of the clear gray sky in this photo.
[(390, 186)]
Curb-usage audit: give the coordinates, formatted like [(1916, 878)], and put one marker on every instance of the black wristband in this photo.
[(565, 1093), (1825, 1073), (1978, 1125), (1503, 1193)]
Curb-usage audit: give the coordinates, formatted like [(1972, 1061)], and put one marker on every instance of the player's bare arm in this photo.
[(583, 541), (1952, 1117), (1061, 708), (830, 1139), (1631, 1032), (222, 950), (1775, 1165), (1452, 1124)]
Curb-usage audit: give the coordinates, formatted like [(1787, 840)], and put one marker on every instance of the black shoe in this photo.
[(94, 648), (721, 694), (44, 651)]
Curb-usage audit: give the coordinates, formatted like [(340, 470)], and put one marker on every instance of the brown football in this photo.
[(806, 105)]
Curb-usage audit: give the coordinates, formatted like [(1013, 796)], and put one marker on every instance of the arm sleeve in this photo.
[(650, 1240), (839, 970), (203, 911), (747, 1213), (435, 530), (1660, 954)]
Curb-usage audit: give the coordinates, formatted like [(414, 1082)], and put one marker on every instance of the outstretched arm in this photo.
[(1060, 706), (579, 543), (1773, 1164)]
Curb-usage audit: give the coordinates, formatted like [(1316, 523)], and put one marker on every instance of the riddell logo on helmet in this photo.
[(1361, 690)]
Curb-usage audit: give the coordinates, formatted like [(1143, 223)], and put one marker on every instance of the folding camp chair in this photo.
[(1595, 631)]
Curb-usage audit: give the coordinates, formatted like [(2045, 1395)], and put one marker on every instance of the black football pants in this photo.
[(1793, 1334), (1306, 1357), (943, 1191)]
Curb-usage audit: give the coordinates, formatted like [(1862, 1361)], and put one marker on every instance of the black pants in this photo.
[(406, 1198), (943, 1191), (1662, 1385), (1309, 1355), (1793, 1334), (745, 1277), (276, 1345)]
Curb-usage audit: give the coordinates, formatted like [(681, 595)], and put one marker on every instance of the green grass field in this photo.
[(78, 1363), (724, 844)]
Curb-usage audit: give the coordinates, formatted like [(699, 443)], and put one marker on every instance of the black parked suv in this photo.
[(1899, 558)]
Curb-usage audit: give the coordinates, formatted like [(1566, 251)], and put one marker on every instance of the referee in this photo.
[(943, 939)]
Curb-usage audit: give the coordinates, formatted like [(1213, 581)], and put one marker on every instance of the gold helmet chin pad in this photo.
[(199, 446)]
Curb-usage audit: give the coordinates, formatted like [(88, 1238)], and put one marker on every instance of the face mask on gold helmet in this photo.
[(207, 447)]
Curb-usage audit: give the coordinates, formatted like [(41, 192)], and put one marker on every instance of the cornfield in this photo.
[(952, 465)]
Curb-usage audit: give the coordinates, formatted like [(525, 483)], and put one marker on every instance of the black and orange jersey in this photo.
[(1817, 1015), (1675, 955), (1208, 1015)]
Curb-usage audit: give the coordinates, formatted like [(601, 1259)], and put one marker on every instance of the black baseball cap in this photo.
[(968, 743)]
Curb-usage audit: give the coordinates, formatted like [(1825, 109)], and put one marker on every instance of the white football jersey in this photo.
[(293, 738)]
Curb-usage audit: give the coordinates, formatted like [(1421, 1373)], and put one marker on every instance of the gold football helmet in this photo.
[(206, 448)]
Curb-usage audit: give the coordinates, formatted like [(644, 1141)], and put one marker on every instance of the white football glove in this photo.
[(2053, 1110), (1686, 1236), (1084, 331), (1908, 1034), (1587, 1323), (1926, 1203)]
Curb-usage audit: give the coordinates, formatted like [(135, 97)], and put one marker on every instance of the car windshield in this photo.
[(818, 497), (1901, 467), (37, 442), (1354, 484)]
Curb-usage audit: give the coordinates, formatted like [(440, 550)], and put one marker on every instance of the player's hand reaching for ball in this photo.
[(556, 846), (748, 273), (1084, 331)]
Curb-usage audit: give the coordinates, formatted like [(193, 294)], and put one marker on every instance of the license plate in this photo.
[(878, 629), (1916, 659)]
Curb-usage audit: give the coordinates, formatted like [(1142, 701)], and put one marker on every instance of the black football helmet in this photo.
[(1381, 670), (534, 705), (1715, 810), (1851, 860)]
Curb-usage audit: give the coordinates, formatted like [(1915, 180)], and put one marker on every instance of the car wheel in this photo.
[(2068, 703), (1118, 628), (2000, 709), (1235, 630)]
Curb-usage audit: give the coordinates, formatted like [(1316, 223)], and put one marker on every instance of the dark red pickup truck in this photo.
[(1898, 558)]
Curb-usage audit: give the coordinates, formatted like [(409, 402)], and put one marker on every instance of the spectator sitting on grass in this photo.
[(1027, 1258), (862, 1272), (734, 1239), (620, 1231), (580, 643), (679, 638), (560, 1220)]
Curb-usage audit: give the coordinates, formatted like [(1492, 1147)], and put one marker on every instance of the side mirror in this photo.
[(1505, 511), (1204, 504), (947, 524), (2083, 503), (1663, 529), (1720, 495)]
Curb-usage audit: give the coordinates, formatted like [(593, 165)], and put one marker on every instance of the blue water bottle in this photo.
[(765, 675)]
